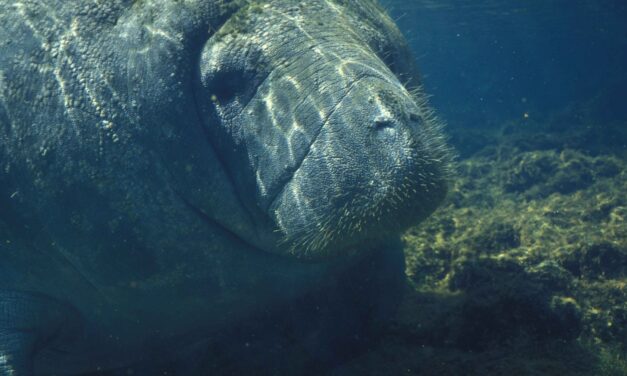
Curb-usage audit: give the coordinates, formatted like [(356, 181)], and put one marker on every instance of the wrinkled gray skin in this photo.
[(169, 169)]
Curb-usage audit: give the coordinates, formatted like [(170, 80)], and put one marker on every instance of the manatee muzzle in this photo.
[(371, 172), (326, 150)]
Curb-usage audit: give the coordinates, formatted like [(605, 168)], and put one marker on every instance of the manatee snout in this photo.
[(376, 166), (339, 153)]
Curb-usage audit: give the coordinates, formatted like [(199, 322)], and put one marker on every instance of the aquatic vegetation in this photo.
[(611, 361)]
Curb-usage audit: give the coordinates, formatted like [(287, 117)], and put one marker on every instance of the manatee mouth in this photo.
[(359, 218)]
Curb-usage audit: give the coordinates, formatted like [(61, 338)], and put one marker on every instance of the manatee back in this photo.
[(83, 182)]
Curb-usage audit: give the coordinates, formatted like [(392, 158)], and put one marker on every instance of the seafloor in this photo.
[(523, 270)]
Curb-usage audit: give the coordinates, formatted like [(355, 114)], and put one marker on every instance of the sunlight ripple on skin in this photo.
[(5, 365)]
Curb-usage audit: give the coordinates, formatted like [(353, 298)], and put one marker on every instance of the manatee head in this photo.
[(314, 109)]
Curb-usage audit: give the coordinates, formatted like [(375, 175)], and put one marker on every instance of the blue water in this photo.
[(485, 62)]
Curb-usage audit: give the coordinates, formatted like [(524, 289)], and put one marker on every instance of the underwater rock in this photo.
[(574, 173), (431, 266), (470, 273), (539, 174), (601, 260), (496, 238), (502, 301), (551, 276), (606, 167), (528, 170)]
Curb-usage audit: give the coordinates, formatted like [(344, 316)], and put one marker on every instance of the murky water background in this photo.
[(485, 62)]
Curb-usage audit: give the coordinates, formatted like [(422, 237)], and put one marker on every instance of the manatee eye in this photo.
[(226, 85)]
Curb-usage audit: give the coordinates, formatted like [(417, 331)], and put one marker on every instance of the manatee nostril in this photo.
[(382, 122), (385, 130)]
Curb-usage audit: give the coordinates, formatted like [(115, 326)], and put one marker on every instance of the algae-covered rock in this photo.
[(538, 174), (529, 251), (530, 169), (600, 260), (496, 238), (504, 301)]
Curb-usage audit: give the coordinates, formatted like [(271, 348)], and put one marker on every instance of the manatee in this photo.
[(204, 174)]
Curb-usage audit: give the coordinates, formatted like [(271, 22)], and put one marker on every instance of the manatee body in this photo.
[(172, 172)]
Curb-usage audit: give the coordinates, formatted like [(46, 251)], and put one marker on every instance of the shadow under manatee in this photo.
[(308, 336), (492, 317)]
